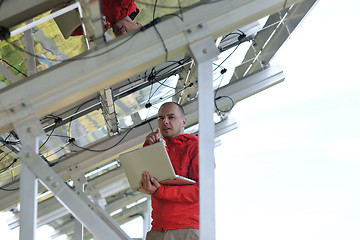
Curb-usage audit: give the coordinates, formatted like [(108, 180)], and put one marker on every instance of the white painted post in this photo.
[(147, 218), (28, 203), (204, 52), (29, 131)]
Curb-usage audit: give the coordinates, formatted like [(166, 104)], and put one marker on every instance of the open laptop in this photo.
[(153, 159)]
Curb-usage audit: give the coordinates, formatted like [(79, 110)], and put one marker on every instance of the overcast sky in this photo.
[(292, 168)]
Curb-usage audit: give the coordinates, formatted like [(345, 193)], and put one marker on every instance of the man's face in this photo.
[(124, 26), (170, 121)]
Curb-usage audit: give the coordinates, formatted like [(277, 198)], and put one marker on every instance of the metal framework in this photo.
[(107, 66)]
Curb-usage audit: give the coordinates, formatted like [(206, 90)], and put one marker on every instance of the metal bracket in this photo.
[(77, 175), (108, 110), (98, 199), (204, 50), (28, 128)]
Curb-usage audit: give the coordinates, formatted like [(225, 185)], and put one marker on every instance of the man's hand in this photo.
[(153, 137), (148, 184)]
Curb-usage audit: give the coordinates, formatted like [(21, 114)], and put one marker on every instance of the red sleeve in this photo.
[(185, 193)]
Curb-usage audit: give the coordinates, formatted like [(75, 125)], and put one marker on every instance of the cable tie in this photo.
[(58, 120), (241, 36), (149, 25), (4, 33), (151, 77)]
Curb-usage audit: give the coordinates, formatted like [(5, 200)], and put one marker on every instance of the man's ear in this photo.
[(184, 121)]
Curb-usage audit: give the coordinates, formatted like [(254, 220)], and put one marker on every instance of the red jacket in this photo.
[(114, 10), (176, 207)]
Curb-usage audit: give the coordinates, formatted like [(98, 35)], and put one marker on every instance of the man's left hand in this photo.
[(148, 184)]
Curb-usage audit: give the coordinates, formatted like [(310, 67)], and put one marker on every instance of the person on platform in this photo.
[(118, 15), (175, 211)]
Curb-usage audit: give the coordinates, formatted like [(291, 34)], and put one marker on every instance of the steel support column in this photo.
[(93, 218), (79, 180), (204, 52), (28, 130), (28, 203), (147, 218)]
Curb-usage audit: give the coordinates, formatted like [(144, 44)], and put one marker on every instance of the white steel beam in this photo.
[(121, 218), (106, 184), (127, 56), (205, 52), (77, 203), (28, 202)]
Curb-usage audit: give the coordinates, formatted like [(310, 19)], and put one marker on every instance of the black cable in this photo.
[(241, 34), (162, 83), (222, 77), (227, 57), (61, 148), (180, 11), (224, 111), (172, 71), (57, 120), (13, 67), (103, 150), (179, 63), (51, 116), (71, 119), (163, 43), (151, 87), (223, 71), (190, 85), (6, 168), (7, 137), (156, 89), (154, 9), (9, 190), (57, 135)]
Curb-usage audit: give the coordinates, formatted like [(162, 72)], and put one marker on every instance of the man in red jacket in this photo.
[(175, 208), (118, 15)]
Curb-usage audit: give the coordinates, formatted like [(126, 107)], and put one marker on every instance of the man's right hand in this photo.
[(153, 137)]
